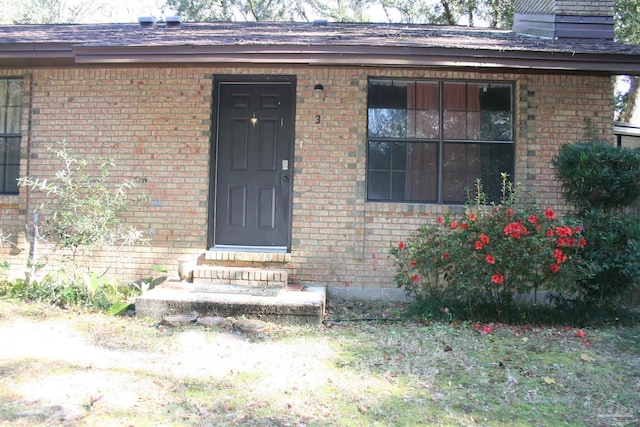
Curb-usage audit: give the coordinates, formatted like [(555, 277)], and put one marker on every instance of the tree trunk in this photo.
[(447, 15), (631, 113)]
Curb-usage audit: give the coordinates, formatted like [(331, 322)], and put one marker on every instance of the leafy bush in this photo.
[(85, 206), (600, 180), (493, 254), (72, 289), (597, 175)]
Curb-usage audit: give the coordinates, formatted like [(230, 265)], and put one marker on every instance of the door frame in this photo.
[(257, 79)]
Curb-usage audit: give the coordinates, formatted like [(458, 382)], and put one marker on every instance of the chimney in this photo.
[(564, 19)]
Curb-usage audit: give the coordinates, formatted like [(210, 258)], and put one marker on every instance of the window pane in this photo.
[(9, 164), (424, 101), (496, 106), (13, 120), (379, 156), (455, 125), (388, 94), (466, 162), (397, 186), (477, 111), (11, 179), (12, 151), (422, 172), (399, 156), (403, 171), (387, 123), (387, 107), (15, 93)]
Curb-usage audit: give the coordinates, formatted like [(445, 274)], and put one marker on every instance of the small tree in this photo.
[(84, 205)]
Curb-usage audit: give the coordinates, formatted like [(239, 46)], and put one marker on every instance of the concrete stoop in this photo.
[(302, 307)]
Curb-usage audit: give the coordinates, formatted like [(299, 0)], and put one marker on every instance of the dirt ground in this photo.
[(61, 367)]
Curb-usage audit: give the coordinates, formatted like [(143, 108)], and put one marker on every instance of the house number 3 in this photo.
[(318, 119)]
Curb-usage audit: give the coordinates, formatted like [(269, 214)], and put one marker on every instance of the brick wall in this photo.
[(584, 7), (565, 7), (155, 122)]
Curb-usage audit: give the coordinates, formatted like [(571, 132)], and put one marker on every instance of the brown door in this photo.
[(254, 164)]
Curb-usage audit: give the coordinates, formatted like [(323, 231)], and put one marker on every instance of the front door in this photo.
[(253, 165)]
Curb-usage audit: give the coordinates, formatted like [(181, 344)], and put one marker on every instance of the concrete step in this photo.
[(242, 280), (305, 306), (244, 259)]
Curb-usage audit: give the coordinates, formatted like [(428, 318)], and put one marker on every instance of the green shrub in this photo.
[(596, 175), (600, 181), (64, 289), (491, 255), (85, 205)]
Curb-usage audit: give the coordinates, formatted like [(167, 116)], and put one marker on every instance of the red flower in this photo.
[(472, 217), (415, 278), (401, 246), (559, 256), (476, 326), (582, 242), (440, 220), (454, 224), (484, 238), (580, 333), (566, 241), (487, 329), (550, 214), (515, 230), (586, 342), (497, 278), (578, 229), (564, 231), (479, 245), (554, 268), (445, 256), (533, 219), (510, 212), (464, 226), (550, 232), (490, 259), (412, 263)]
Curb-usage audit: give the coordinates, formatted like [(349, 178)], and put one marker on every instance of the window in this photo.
[(10, 119), (428, 141)]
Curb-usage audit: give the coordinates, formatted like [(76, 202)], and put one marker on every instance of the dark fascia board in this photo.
[(41, 54), (361, 56), (25, 55)]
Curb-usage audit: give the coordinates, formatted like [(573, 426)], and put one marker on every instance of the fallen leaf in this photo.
[(586, 358), (548, 380), (447, 348), (362, 410)]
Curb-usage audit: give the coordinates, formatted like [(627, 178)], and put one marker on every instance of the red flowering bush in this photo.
[(490, 254)]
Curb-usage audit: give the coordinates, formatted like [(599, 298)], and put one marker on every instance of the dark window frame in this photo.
[(10, 136), (503, 147)]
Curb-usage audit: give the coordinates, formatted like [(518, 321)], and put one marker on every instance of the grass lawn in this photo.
[(71, 368)]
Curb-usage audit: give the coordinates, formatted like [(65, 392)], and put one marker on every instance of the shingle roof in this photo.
[(305, 43)]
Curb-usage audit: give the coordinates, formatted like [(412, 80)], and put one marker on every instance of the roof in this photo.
[(337, 44)]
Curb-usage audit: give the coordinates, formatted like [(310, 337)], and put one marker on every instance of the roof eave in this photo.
[(374, 56)]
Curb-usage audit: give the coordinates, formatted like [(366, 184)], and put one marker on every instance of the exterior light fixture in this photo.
[(318, 91)]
